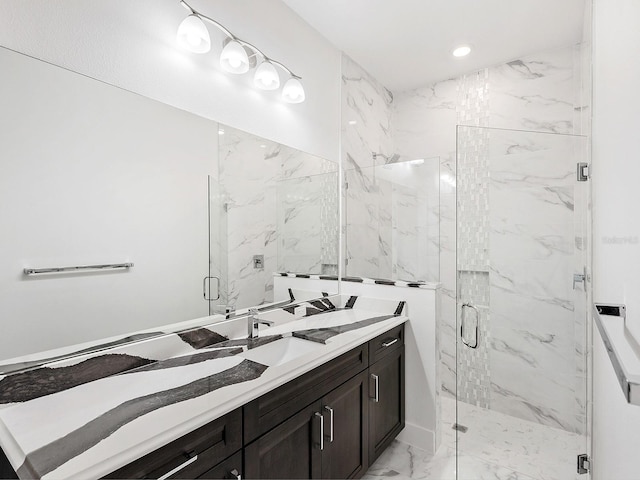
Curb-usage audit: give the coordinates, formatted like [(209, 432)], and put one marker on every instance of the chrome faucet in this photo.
[(253, 322)]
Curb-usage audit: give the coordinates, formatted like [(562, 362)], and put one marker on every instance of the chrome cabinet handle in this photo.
[(330, 410), (178, 468), (235, 473), (388, 344), (462, 324), (376, 379), (319, 415)]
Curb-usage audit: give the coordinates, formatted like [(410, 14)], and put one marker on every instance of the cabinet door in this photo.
[(345, 412), (291, 450), (386, 402)]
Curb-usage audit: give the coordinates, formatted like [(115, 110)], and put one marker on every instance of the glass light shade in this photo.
[(293, 92), (266, 77), (193, 35), (234, 59)]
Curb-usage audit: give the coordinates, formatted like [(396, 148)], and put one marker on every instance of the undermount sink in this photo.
[(280, 351)]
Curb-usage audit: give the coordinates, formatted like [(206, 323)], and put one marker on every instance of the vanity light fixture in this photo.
[(193, 35), (238, 56), (234, 58)]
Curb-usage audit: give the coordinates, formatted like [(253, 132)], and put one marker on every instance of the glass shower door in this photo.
[(522, 263)]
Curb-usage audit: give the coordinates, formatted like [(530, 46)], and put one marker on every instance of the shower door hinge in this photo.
[(583, 171), (584, 463)]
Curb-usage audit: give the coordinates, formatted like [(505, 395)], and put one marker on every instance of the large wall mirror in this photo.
[(95, 175)]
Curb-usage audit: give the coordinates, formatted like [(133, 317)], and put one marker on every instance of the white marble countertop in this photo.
[(96, 427)]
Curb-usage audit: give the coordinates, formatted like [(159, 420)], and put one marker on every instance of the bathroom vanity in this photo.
[(326, 400)]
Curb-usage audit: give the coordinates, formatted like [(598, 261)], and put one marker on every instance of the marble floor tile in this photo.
[(496, 446)]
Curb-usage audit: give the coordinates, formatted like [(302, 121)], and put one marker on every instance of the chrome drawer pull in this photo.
[(377, 384), (319, 415), (178, 468), (330, 410), (388, 344)]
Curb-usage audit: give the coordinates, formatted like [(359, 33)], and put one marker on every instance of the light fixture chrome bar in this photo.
[(221, 27), (109, 266), (244, 43)]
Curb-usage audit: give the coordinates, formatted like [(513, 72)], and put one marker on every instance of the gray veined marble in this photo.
[(321, 335), (49, 457)]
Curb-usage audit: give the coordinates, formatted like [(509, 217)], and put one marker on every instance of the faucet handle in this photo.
[(253, 312)]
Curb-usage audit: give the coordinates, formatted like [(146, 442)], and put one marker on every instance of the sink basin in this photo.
[(281, 351)]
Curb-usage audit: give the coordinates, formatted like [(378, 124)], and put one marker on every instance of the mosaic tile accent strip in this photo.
[(329, 224), (473, 172)]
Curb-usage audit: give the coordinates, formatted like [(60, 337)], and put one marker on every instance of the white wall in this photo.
[(616, 197), (132, 45)]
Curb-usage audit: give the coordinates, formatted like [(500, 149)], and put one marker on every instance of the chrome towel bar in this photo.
[(108, 266)]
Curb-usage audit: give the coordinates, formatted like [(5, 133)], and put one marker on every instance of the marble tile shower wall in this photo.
[(366, 128), (533, 359), (308, 224), (391, 228), (541, 93), (265, 186)]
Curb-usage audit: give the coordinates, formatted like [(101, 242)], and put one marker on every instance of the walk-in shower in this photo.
[(521, 332)]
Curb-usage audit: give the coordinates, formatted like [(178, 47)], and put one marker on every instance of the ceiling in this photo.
[(406, 44)]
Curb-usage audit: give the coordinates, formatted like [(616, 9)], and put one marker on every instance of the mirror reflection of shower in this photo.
[(392, 218)]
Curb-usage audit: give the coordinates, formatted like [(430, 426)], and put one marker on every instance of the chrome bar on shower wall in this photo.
[(108, 266)]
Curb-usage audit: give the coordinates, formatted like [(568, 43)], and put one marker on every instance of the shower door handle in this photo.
[(463, 322), (204, 288)]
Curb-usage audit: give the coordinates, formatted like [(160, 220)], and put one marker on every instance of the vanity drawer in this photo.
[(230, 468), (211, 444), (273, 408), (386, 343)]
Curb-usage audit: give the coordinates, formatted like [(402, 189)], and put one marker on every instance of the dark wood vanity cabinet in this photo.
[(386, 390), (331, 422), (345, 413), (290, 450), (386, 409), (327, 439), (343, 431)]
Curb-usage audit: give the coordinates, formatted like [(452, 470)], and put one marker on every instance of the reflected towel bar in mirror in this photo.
[(108, 266)]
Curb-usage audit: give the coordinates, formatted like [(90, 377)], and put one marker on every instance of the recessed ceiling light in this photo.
[(221, 131), (352, 122), (461, 51)]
